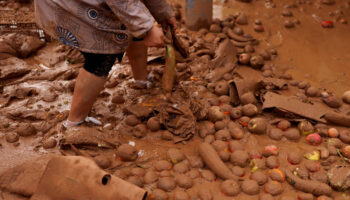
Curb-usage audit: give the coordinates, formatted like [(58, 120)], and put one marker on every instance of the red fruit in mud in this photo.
[(346, 151), (333, 133), (270, 150), (327, 24), (314, 139), (283, 125)]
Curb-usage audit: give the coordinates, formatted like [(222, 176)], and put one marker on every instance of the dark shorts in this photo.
[(101, 64)]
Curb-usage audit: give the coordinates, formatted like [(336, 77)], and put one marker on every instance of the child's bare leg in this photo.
[(87, 88)]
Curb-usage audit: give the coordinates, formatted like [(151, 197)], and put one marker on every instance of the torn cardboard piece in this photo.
[(65, 177), (24, 178), (225, 54), (291, 105), (246, 80), (249, 80), (75, 177)]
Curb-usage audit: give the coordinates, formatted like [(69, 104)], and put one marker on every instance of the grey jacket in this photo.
[(99, 26)]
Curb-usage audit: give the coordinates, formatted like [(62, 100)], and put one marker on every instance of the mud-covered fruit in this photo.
[(222, 88), (270, 150), (181, 195), (314, 139), (127, 152), (132, 120), (244, 58), (257, 62), (11, 137), (257, 125), (250, 187), (250, 110), (235, 113), (247, 98), (312, 92), (249, 49), (175, 155), (159, 194), (305, 127), (346, 151), (332, 101), (346, 97), (215, 114), (117, 98), (265, 54), (230, 188), (103, 161), (294, 158), (344, 136), (333, 133), (154, 124), (274, 188), (283, 125)]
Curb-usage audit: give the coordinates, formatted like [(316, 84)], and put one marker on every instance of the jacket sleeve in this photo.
[(134, 14), (160, 9)]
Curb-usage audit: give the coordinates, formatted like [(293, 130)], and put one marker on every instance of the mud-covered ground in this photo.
[(256, 57)]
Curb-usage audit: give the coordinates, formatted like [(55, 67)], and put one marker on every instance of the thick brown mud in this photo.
[(218, 135)]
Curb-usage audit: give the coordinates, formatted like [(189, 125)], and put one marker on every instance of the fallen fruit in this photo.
[(213, 161), (257, 125), (327, 24), (314, 155), (305, 127), (346, 151), (257, 62), (293, 158), (270, 150), (230, 188), (333, 133), (244, 59), (314, 139), (283, 125), (276, 175), (346, 97)]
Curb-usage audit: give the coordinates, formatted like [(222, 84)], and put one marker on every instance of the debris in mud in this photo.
[(49, 143), (213, 161), (26, 130), (18, 45), (13, 68), (127, 152), (178, 119), (222, 106), (339, 177), (293, 106), (12, 137), (84, 137)]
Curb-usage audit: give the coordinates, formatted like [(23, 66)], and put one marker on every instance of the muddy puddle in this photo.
[(218, 135)]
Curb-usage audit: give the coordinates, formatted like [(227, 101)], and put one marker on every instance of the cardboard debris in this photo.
[(275, 83), (74, 177), (291, 105), (87, 138), (225, 54), (246, 80), (65, 177)]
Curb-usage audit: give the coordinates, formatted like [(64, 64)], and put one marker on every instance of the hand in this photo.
[(169, 22), (155, 37)]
